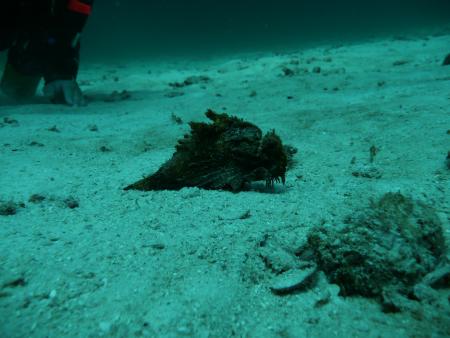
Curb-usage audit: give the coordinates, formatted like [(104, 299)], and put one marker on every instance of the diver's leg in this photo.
[(17, 82), (18, 86)]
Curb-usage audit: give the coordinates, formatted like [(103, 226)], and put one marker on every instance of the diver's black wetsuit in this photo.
[(43, 36)]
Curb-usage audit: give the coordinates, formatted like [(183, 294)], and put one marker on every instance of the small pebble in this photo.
[(54, 129), (117, 96), (400, 63), (288, 71), (36, 198), (247, 214), (10, 208), (158, 246), (176, 119), (35, 144), (184, 330), (105, 149), (71, 203), (93, 127), (294, 280), (367, 171), (8, 120), (52, 294), (187, 193), (174, 94)]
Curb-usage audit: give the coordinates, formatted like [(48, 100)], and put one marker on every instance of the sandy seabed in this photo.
[(83, 258)]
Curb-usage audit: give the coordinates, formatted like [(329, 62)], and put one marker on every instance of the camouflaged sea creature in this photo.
[(227, 154)]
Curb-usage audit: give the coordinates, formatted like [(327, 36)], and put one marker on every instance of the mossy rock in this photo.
[(392, 244)]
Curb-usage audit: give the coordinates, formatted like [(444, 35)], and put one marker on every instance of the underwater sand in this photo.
[(194, 263)]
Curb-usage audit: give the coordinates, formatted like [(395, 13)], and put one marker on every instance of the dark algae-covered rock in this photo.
[(225, 155), (384, 251)]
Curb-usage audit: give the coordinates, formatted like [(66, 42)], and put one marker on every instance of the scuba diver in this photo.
[(43, 41)]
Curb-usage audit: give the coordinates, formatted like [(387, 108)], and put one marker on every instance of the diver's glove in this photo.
[(65, 91)]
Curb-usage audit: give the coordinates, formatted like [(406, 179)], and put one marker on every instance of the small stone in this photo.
[(184, 330), (174, 94), (277, 259), (294, 281), (158, 246), (52, 294), (8, 120), (117, 96), (187, 193), (368, 171), (323, 299), (400, 62), (105, 149), (288, 72), (36, 198), (71, 203), (93, 127), (191, 80), (35, 144), (10, 208), (247, 214), (54, 129), (317, 70), (176, 119)]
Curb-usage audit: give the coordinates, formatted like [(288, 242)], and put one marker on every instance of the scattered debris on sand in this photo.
[(117, 96), (192, 80)]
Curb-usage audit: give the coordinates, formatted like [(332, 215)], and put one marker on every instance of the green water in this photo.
[(173, 27)]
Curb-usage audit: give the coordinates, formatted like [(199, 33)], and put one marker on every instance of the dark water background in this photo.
[(142, 28)]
